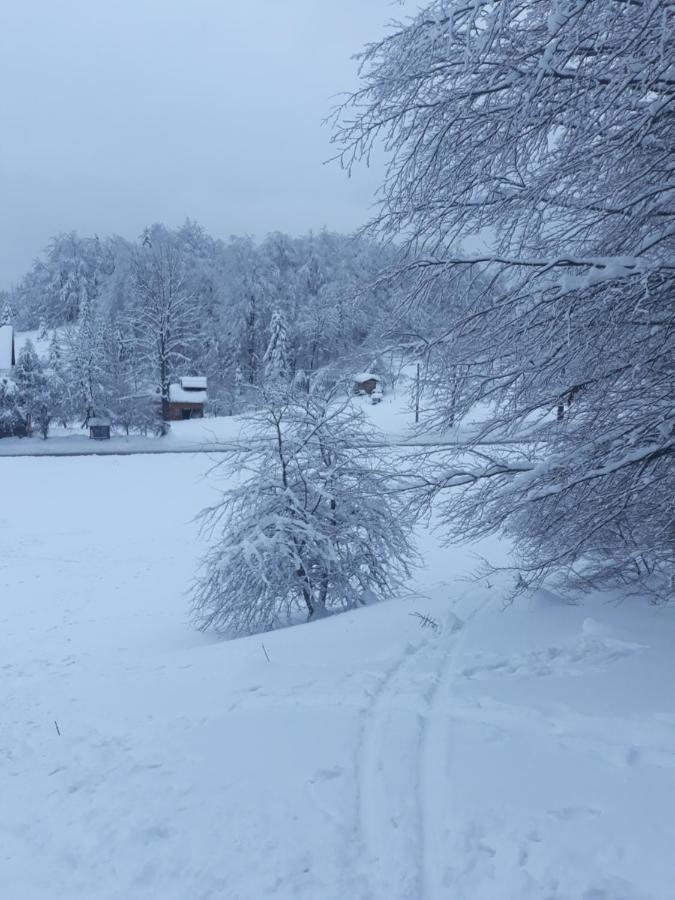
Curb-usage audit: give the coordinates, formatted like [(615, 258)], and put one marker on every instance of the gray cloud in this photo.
[(118, 114)]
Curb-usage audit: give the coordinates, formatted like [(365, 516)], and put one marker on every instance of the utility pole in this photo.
[(417, 395)]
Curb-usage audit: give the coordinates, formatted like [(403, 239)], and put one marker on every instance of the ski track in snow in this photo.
[(399, 759)]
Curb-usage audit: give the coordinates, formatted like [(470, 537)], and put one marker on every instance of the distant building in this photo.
[(186, 399), (99, 428), (7, 348), (369, 384)]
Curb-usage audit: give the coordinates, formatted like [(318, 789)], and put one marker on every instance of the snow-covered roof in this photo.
[(6, 346), (365, 376), (98, 421), (178, 394), (193, 382)]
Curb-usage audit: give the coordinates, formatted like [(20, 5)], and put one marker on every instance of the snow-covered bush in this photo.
[(311, 524)]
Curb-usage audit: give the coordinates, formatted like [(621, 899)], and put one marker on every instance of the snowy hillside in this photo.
[(495, 754)]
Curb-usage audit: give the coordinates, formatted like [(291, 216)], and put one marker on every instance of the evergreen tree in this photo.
[(35, 390), (275, 361), (6, 313), (86, 371), (238, 389), (12, 421), (55, 355), (57, 374)]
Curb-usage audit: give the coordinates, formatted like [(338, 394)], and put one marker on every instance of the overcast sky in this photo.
[(117, 114)]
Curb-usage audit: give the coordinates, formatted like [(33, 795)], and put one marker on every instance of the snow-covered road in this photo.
[(495, 754)]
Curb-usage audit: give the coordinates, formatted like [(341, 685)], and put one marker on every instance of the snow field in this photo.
[(526, 752)]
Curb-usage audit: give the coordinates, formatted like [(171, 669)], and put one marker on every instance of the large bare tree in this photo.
[(166, 316), (533, 142)]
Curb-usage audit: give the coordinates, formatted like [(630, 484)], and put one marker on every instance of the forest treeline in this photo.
[(130, 316)]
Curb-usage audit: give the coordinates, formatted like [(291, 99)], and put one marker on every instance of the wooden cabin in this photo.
[(186, 399), (365, 383), (369, 384)]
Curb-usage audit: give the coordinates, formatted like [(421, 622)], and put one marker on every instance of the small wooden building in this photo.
[(99, 428), (369, 384), (186, 399), (7, 348), (365, 383)]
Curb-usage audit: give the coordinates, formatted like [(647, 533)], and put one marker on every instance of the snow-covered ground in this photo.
[(520, 752), (393, 418), (184, 437), (40, 340)]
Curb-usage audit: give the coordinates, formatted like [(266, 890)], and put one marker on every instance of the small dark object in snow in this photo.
[(426, 621), (99, 428)]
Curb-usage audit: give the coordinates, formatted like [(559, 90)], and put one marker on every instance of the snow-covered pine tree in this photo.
[(55, 353), (275, 361), (312, 523), (6, 313), (57, 374), (35, 390), (12, 421), (86, 364), (238, 389)]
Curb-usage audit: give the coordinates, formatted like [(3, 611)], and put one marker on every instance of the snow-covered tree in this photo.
[(55, 353), (132, 404), (35, 391), (86, 372), (12, 421), (275, 361), (238, 389), (311, 524), (6, 312), (61, 387), (531, 143), (166, 317)]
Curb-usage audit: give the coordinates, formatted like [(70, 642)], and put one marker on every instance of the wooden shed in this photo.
[(7, 348), (365, 383), (186, 399), (99, 428), (370, 384)]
